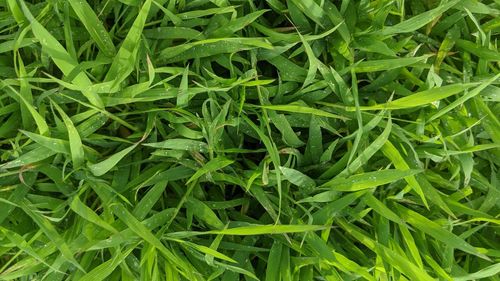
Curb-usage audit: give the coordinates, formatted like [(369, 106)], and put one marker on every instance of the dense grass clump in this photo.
[(249, 140)]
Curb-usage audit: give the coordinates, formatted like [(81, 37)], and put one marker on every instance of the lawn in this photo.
[(249, 140)]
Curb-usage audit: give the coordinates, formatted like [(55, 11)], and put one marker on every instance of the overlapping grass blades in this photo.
[(249, 140)]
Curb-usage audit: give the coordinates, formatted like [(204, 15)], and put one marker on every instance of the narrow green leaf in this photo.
[(304, 110), (124, 62), (486, 272), (266, 229), (298, 178), (368, 180), (88, 214), (204, 213), (421, 98), (212, 166), (75, 143), (104, 166), (60, 56), (51, 233), (437, 232), (180, 144), (418, 21), (382, 65), (94, 26)]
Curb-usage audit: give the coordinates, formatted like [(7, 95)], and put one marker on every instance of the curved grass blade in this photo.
[(36, 155), (368, 180), (51, 233), (75, 143), (212, 166), (388, 64), (60, 56), (57, 145), (104, 166), (418, 21), (437, 232), (421, 98), (295, 108), (490, 271), (125, 60), (88, 214), (94, 26)]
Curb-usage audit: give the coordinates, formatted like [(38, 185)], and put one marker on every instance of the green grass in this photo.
[(249, 140)]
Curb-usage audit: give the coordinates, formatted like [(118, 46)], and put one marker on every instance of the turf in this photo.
[(249, 140)]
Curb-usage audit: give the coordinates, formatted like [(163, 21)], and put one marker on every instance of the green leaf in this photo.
[(212, 166), (437, 232), (109, 163), (267, 229), (51, 233), (180, 144), (102, 271), (486, 272), (30, 157), (75, 143), (124, 62), (418, 21), (368, 180), (303, 110), (85, 212), (204, 213), (421, 98), (60, 56), (382, 65), (298, 178), (93, 25)]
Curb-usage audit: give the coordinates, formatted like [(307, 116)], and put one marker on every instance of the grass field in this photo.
[(249, 140)]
